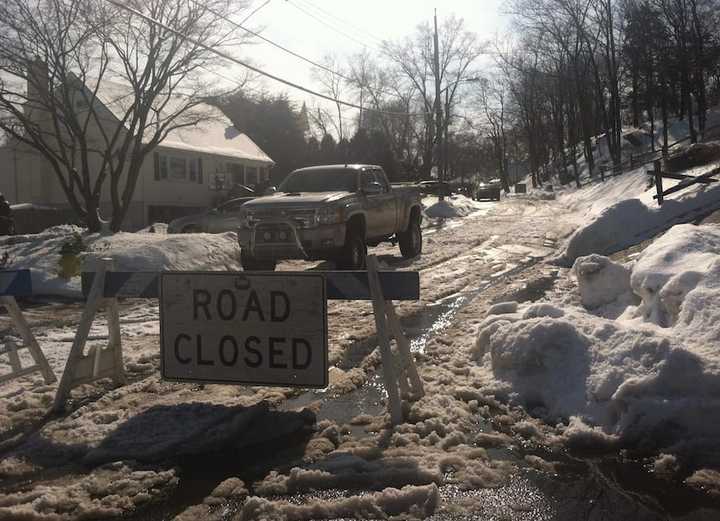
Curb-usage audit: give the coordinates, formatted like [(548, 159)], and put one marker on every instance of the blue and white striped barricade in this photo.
[(379, 287), (18, 283), (341, 285)]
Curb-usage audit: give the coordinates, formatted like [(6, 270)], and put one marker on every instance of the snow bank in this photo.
[(651, 378), (40, 253), (453, 206), (621, 217), (685, 259), (158, 251), (155, 251)]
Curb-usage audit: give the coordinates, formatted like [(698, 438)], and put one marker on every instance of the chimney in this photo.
[(37, 84)]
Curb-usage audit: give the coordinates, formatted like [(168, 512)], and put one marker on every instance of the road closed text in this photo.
[(255, 329), (252, 352)]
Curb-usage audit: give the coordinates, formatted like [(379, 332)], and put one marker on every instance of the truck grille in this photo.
[(301, 217)]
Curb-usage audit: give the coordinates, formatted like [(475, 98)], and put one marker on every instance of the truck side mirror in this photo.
[(373, 188)]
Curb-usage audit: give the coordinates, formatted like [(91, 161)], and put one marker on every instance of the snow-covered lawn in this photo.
[(142, 251), (621, 211)]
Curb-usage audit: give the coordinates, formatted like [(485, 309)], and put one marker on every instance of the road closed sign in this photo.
[(244, 328)]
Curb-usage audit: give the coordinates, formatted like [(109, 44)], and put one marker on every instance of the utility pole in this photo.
[(438, 107)]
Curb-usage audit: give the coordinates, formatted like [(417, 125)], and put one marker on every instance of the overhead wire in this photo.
[(355, 28), (253, 68), (254, 11), (326, 24), (291, 52)]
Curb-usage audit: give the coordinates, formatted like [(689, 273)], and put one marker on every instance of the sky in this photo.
[(310, 28)]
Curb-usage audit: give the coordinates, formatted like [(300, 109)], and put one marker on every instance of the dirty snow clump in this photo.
[(453, 206), (649, 378)]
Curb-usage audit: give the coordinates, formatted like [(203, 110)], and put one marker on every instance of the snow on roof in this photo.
[(215, 135)]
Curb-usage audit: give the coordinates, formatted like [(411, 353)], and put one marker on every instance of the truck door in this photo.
[(390, 205), (373, 204)]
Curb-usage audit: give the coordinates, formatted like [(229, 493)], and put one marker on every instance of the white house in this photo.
[(190, 170)]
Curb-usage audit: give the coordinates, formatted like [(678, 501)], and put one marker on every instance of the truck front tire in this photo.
[(353, 253), (250, 263), (411, 239)]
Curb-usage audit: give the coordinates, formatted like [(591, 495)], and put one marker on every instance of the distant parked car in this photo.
[(490, 190), (224, 218), (434, 188), (239, 190)]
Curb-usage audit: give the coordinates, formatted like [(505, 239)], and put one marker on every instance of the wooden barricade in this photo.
[(98, 363), (17, 283), (381, 288)]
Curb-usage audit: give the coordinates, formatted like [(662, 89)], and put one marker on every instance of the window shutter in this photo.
[(200, 171), (156, 158)]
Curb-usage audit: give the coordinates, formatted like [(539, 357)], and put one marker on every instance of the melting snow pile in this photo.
[(650, 378), (131, 251), (622, 212), (453, 206)]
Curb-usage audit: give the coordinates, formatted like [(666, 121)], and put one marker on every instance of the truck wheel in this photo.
[(354, 253), (411, 239), (250, 263)]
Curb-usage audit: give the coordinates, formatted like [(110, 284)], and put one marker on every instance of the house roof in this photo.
[(215, 135)]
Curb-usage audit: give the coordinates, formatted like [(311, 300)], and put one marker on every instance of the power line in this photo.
[(222, 54), (255, 11), (356, 28), (291, 52), (311, 15)]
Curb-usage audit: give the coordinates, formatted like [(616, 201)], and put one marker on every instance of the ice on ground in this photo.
[(650, 378), (151, 251), (106, 492), (410, 502), (453, 206)]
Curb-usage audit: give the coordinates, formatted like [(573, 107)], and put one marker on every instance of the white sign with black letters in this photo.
[(244, 328)]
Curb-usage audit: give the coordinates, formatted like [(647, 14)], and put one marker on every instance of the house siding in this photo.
[(153, 198)]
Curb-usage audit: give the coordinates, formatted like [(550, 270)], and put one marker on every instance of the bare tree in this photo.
[(413, 57), (492, 99), (333, 83), (59, 63)]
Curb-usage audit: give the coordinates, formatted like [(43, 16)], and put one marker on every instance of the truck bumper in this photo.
[(279, 240)]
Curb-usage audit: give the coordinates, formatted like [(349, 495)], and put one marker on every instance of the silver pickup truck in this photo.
[(330, 212)]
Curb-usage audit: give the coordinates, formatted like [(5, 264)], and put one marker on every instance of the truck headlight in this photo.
[(329, 215)]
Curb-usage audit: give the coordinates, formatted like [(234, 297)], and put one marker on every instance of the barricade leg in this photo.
[(115, 343), (41, 363), (408, 363), (100, 363), (389, 374)]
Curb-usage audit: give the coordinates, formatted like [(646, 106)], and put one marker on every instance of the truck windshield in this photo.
[(340, 180)]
